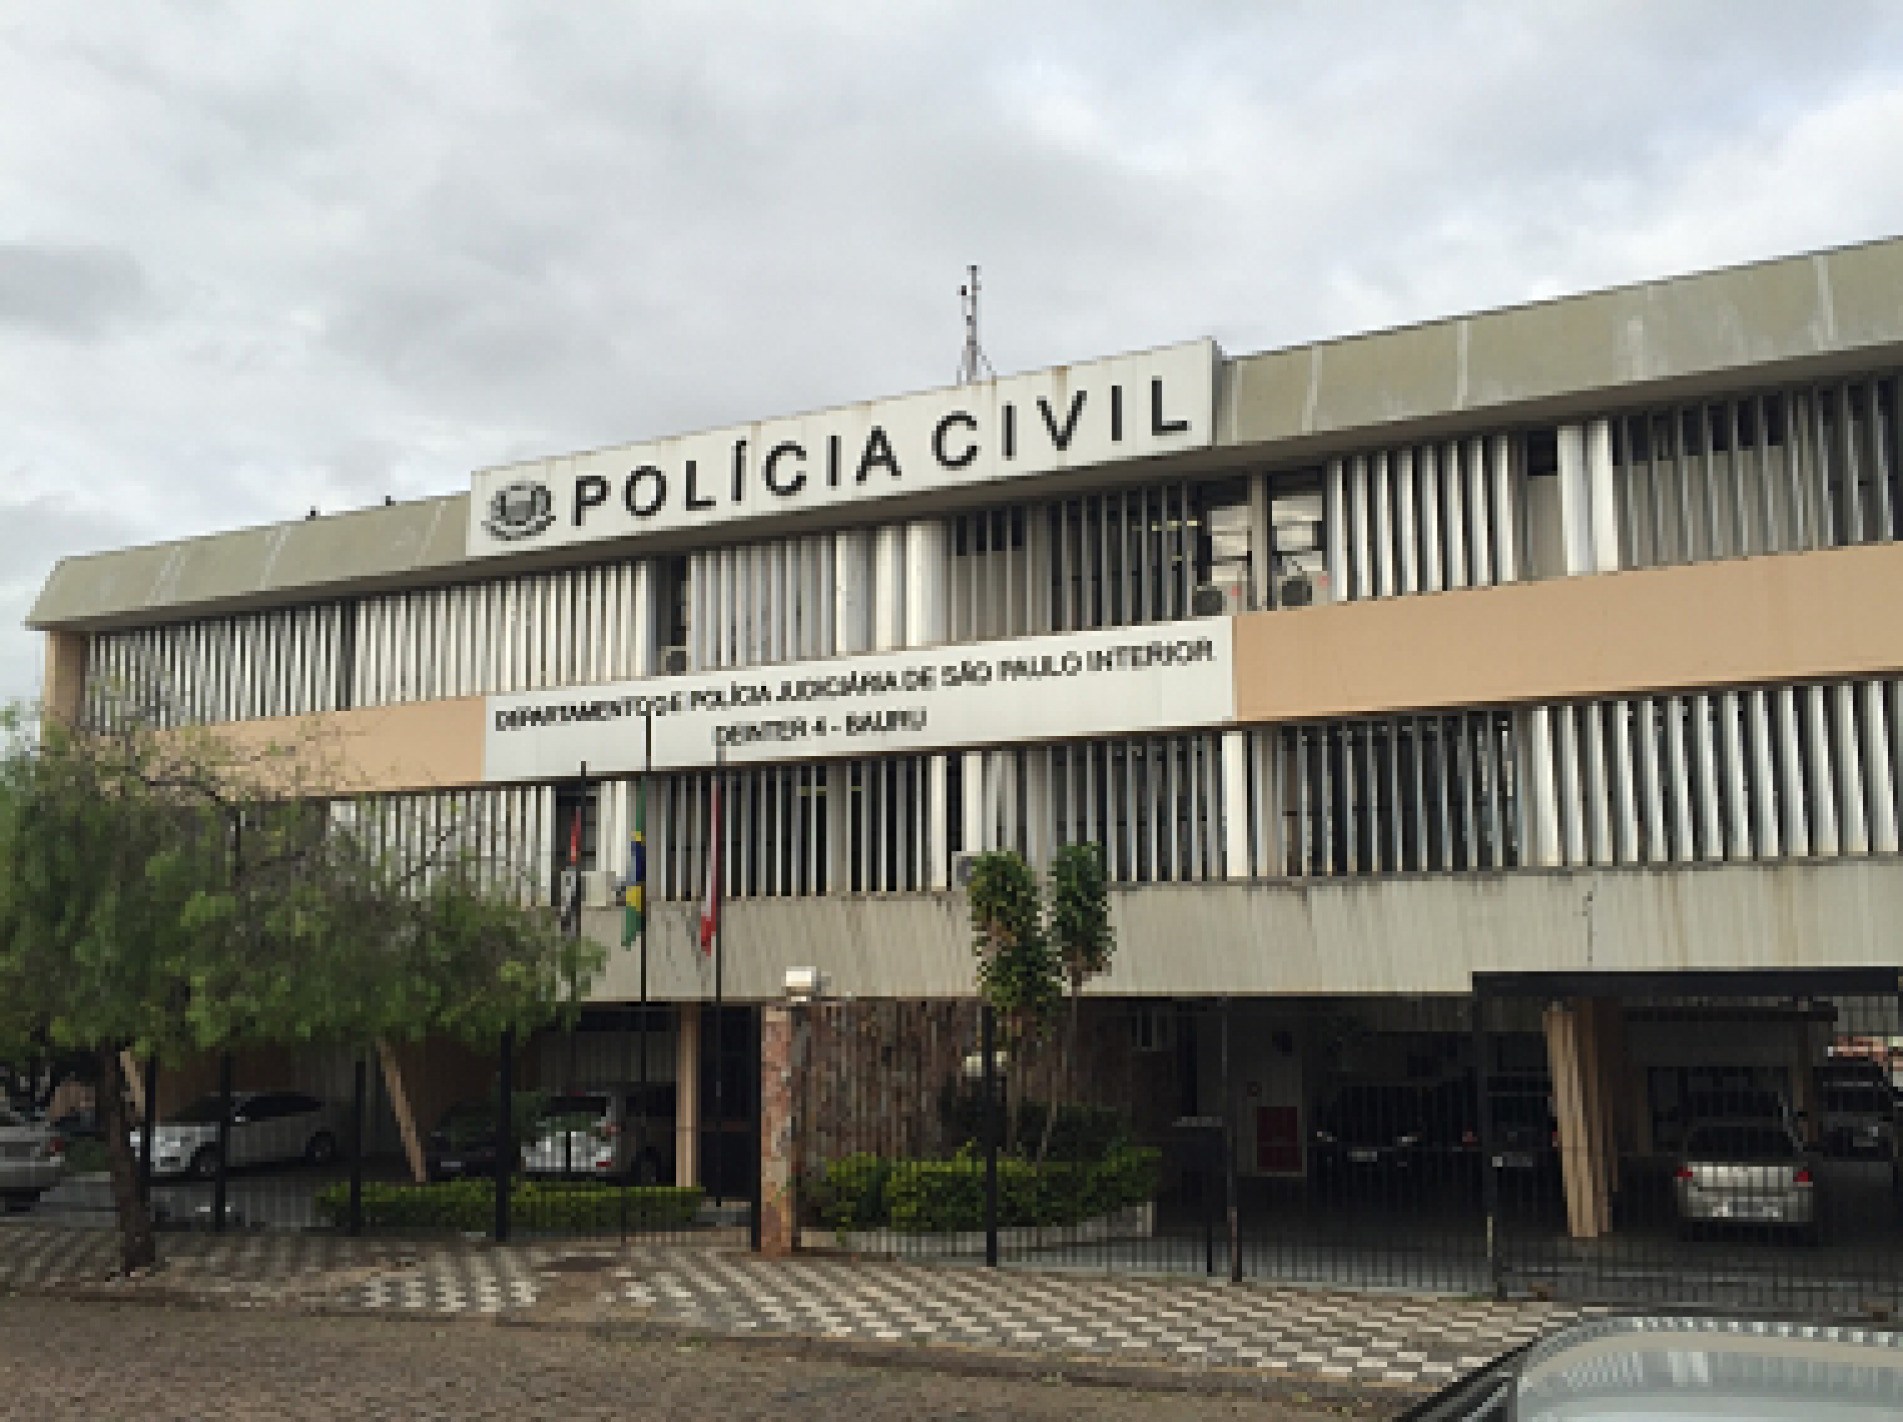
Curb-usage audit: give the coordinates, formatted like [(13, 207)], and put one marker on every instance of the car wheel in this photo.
[(322, 1149), (204, 1164)]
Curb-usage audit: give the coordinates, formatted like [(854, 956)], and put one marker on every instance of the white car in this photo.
[(266, 1127), (32, 1160)]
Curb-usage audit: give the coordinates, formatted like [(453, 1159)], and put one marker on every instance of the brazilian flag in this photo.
[(635, 892)]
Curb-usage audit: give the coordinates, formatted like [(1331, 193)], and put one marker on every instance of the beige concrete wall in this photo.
[(412, 745), (64, 693), (1790, 617), (1398, 934)]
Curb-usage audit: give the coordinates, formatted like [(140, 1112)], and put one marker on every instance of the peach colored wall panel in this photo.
[(417, 745), (1807, 616)]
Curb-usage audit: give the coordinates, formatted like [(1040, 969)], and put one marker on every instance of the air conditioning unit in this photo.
[(600, 889), (674, 661), (1209, 600), (962, 865)]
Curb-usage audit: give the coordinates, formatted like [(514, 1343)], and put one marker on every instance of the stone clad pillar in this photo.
[(783, 1051), (687, 1095)]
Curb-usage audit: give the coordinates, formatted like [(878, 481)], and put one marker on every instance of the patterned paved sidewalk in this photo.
[(1390, 1338)]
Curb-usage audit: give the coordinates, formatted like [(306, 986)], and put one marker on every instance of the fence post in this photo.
[(1231, 1187), (988, 1055), (224, 1142), (1483, 1113), (756, 1200), (505, 1131), (359, 1090), (150, 1124)]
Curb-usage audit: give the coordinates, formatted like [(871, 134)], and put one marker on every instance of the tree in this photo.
[(1017, 971), (1083, 942), (171, 892)]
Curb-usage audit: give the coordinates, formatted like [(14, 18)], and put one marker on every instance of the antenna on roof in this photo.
[(973, 365)]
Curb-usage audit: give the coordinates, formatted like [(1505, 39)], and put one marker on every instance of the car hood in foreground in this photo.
[(1687, 1370)]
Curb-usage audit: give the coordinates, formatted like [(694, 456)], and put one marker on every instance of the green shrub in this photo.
[(930, 1196), (1081, 1133), (850, 1192), (469, 1206)]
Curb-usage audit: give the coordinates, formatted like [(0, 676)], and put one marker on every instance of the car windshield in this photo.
[(1521, 1111), (1865, 1097), (575, 1111), (202, 1112), (1368, 1110), (1741, 1142), (468, 1123)]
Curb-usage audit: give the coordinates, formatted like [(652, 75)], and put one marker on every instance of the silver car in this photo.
[(592, 1132), (32, 1160), (1683, 1369), (267, 1127), (1746, 1172)]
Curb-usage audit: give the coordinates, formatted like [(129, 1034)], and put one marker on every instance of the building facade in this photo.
[(1555, 640)]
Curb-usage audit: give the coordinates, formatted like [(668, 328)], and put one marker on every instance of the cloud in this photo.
[(255, 259), (70, 291)]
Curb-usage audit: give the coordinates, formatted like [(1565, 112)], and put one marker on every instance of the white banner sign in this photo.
[(1069, 417), (1117, 682)]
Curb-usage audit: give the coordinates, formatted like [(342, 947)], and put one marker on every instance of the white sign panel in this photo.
[(1109, 683), (1068, 417)]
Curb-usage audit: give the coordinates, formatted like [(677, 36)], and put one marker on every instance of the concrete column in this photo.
[(1572, 1058), (927, 583), (852, 591), (971, 791), (888, 581), (1261, 574), (783, 1048), (937, 823), (1335, 528), (687, 1095), (1235, 805), (1039, 828), (63, 693), (1601, 497), (1575, 502), (1541, 790), (838, 828), (643, 628)]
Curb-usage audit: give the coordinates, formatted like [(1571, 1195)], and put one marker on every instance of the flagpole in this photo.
[(572, 910), (720, 935), (641, 820)]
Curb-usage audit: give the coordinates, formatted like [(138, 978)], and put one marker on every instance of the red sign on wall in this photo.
[(1278, 1139)]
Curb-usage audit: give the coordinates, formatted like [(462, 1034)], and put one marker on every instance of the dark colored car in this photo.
[(78, 1125), (1524, 1136), (463, 1143), (1370, 1129)]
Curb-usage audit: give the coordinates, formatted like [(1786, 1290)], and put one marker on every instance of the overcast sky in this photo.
[(259, 257)]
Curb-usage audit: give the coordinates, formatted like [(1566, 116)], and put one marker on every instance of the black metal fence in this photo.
[(1729, 1140), (583, 1133), (1735, 1144)]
